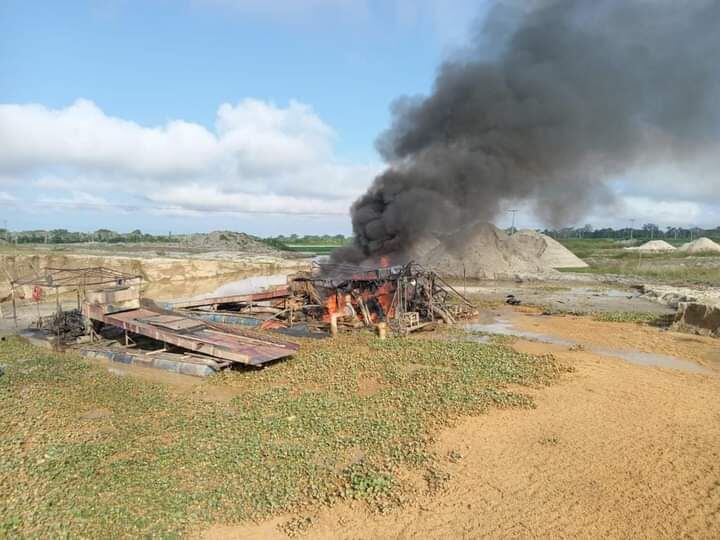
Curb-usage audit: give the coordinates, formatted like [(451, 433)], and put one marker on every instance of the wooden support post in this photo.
[(382, 330), (334, 325), (14, 307)]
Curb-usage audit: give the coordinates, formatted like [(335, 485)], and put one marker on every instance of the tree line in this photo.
[(649, 231), (63, 236)]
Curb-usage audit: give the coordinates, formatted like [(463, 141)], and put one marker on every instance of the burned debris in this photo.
[(403, 298), (332, 298), (109, 311), (192, 335)]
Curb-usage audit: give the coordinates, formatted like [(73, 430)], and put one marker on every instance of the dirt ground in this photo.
[(614, 450)]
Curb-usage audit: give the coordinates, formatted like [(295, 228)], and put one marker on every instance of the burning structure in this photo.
[(332, 297), (404, 297), (110, 319)]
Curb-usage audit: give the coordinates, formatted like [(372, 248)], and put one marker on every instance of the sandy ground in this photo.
[(614, 450)]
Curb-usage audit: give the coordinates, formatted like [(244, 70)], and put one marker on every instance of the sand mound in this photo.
[(481, 251), (654, 246), (550, 252), (228, 241), (701, 245)]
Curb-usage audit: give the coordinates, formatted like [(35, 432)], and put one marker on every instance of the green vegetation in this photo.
[(652, 319), (310, 244), (680, 274), (586, 247), (63, 236), (87, 453), (311, 249), (312, 240), (649, 231), (606, 256)]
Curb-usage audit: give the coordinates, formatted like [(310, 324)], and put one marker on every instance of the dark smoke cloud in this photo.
[(577, 92)]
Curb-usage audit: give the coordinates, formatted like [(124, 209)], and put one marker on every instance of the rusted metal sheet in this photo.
[(273, 294), (200, 337), (180, 324)]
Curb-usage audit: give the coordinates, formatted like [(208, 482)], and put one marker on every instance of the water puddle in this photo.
[(245, 285), (610, 293), (249, 285), (653, 359), (504, 327)]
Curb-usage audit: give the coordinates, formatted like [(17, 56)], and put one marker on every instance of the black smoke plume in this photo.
[(577, 92)]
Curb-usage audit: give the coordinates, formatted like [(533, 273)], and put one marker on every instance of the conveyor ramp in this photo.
[(195, 335)]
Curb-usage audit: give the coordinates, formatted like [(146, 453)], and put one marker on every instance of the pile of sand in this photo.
[(229, 241), (701, 245), (550, 252), (483, 251), (654, 246)]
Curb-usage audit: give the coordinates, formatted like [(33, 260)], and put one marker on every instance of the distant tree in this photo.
[(651, 230), (104, 235)]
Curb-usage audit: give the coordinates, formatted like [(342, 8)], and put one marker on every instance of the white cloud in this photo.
[(200, 198), (7, 198), (258, 158), (82, 135), (665, 212)]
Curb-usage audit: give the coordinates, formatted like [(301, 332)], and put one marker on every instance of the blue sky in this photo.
[(154, 61), (191, 115)]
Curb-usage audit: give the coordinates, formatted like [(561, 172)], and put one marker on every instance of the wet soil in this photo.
[(639, 343), (571, 296)]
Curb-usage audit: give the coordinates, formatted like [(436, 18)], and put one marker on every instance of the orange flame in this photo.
[(335, 303)]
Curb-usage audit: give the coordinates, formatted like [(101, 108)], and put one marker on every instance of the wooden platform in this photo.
[(195, 335)]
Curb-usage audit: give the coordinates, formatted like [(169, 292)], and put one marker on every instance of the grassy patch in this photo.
[(675, 274), (639, 317), (585, 248), (312, 249), (87, 453), (677, 268)]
